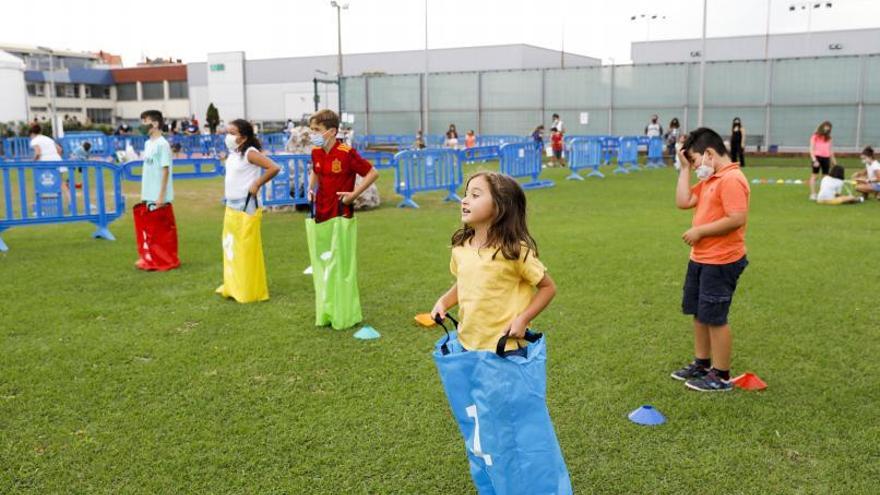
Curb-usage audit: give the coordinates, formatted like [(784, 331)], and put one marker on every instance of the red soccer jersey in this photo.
[(556, 140), (336, 173)]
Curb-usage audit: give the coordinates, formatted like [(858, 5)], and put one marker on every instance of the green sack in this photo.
[(333, 252)]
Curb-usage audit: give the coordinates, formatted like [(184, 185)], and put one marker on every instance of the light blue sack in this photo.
[(499, 401)]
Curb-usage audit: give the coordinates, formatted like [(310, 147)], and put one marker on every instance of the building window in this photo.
[(126, 92), (100, 115), (67, 90), (36, 89), (153, 91), (39, 109), (178, 89), (97, 91)]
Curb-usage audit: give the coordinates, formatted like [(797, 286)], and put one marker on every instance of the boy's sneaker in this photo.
[(812, 197), (690, 372), (709, 383)]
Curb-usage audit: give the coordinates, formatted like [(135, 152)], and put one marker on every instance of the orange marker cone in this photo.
[(425, 320), (749, 381)]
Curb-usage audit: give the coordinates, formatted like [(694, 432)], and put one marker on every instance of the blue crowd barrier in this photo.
[(274, 142), (479, 154), (585, 153), (17, 148), (379, 159), (101, 144), (136, 141), (627, 154), (386, 140), (33, 194), (610, 145), (500, 139), (184, 168), (290, 186), (83, 133), (427, 170), (523, 160), (204, 146), (655, 153)]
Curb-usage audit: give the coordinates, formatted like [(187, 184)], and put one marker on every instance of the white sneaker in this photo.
[(812, 197)]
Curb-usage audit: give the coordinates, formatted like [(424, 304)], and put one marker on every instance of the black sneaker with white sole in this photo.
[(709, 383), (689, 372)]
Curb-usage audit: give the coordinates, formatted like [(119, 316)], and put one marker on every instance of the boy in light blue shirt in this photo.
[(157, 184), (154, 224)]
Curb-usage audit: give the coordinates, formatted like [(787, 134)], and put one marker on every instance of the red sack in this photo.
[(156, 237)]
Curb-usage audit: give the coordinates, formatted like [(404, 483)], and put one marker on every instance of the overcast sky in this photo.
[(265, 29)]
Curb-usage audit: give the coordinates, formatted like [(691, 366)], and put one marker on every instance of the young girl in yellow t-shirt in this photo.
[(495, 262)]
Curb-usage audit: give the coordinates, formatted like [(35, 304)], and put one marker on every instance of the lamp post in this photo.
[(52, 115), (702, 69), (339, 8), (425, 88)]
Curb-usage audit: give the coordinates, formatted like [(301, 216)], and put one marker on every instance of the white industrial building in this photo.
[(13, 104), (281, 88), (759, 47)]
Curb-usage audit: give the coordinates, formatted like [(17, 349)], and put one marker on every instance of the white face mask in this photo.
[(231, 143), (704, 171)]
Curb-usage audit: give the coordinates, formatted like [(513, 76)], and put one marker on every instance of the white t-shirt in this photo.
[(872, 169), (46, 146), (559, 125), (240, 175), (829, 188), (653, 130)]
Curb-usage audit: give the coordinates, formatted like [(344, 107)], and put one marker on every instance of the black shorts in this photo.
[(557, 153), (708, 290), (824, 164)]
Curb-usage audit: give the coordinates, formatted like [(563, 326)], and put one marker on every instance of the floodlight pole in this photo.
[(425, 81), (767, 33), (339, 7), (702, 70), (52, 113)]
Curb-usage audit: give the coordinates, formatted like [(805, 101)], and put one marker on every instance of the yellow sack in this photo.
[(244, 272)]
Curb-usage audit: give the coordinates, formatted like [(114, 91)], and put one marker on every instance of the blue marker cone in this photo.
[(647, 415), (367, 333)]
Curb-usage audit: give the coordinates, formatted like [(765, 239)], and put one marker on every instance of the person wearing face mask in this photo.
[(247, 170), (334, 170), (738, 142), (821, 154), (718, 254), (654, 129), (155, 226)]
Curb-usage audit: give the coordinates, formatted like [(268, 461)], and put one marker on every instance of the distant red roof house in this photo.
[(150, 73), (109, 58)]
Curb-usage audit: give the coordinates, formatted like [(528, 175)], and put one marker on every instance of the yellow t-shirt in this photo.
[(491, 293)]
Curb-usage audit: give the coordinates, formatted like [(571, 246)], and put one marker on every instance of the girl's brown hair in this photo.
[(508, 232), (820, 131)]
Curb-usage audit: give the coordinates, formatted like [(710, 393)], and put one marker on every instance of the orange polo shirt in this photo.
[(721, 194)]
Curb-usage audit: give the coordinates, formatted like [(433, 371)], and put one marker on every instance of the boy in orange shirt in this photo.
[(718, 254)]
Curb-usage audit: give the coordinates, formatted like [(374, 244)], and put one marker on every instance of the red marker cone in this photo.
[(749, 381)]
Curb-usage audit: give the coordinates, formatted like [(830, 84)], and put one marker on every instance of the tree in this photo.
[(212, 118)]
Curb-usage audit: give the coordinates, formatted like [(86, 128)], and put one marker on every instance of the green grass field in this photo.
[(118, 381)]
